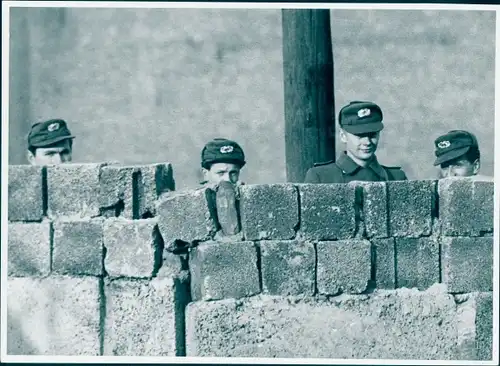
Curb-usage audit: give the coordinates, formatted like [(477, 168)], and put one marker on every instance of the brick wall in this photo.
[(114, 255)]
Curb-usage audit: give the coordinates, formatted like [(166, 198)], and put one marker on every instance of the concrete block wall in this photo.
[(359, 270)]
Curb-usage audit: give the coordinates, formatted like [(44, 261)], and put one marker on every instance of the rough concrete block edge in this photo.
[(157, 240)]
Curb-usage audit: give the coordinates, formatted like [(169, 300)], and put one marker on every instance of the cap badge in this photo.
[(364, 112), (226, 149), (444, 144), (53, 127)]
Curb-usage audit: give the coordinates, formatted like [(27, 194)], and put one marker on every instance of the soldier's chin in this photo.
[(365, 155)]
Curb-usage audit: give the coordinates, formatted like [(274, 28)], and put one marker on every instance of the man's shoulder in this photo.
[(324, 172), (396, 171)]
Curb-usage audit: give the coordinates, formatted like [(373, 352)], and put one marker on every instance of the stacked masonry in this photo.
[(360, 270)]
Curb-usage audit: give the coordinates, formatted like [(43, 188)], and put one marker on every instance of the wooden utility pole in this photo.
[(308, 83)]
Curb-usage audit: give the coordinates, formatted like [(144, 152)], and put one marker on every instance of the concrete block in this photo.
[(116, 191), (78, 247), (467, 264), (133, 247), (410, 207), (185, 216), (397, 324), (385, 261), (343, 266), (327, 211), (222, 270), (29, 249), (288, 267), (269, 211), (152, 181), (417, 262), (53, 316), (73, 190), (475, 330), (374, 209), (466, 206), (140, 318), (25, 192), (227, 205), (484, 325)]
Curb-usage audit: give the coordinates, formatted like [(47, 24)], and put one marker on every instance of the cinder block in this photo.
[(73, 190), (29, 249), (269, 211), (385, 261), (185, 216), (397, 324), (140, 318), (374, 208), (223, 270), (327, 211), (287, 267), (53, 316), (484, 325), (133, 247), (116, 191), (467, 264), (152, 181), (343, 266), (78, 247), (227, 204), (25, 192), (410, 207), (417, 262), (466, 206)]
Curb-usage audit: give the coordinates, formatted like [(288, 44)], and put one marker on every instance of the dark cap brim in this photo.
[(364, 128), (52, 141), (451, 155)]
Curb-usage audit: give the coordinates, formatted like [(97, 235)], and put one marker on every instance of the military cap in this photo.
[(48, 133), (453, 145), (361, 117), (221, 150)]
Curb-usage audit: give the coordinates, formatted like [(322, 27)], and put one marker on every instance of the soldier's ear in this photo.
[(30, 157), (342, 136), (476, 166), (204, 173)]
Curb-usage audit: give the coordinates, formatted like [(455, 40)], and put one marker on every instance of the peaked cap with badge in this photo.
[(452, 145), (358, 117), (361, 117), (48, 132), (221, 150)]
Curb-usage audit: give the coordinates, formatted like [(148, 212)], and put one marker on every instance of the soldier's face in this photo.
[(459, 167), (222, 172), (361, 146), (58, 153)]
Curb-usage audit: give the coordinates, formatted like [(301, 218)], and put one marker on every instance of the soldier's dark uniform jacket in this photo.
[(356, 118), (345, 170)]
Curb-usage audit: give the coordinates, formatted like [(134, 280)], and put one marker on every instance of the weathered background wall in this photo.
[(147, 85), (98, 264)]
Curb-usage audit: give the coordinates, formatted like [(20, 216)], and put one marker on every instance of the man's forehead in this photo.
[(219, 167), (65, 144)]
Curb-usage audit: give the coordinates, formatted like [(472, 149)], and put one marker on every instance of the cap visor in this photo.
[(364, 128), (450, 155), (53, 141)]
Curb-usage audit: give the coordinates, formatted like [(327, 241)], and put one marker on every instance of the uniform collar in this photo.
[(348, 165), (378, 169)]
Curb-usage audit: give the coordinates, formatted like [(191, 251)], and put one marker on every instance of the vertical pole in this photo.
[(308, 86), (19, 85)]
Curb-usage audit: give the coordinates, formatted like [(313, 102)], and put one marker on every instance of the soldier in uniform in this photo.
[(360, 126), (457, 154), (50, 143), (222, 160)]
